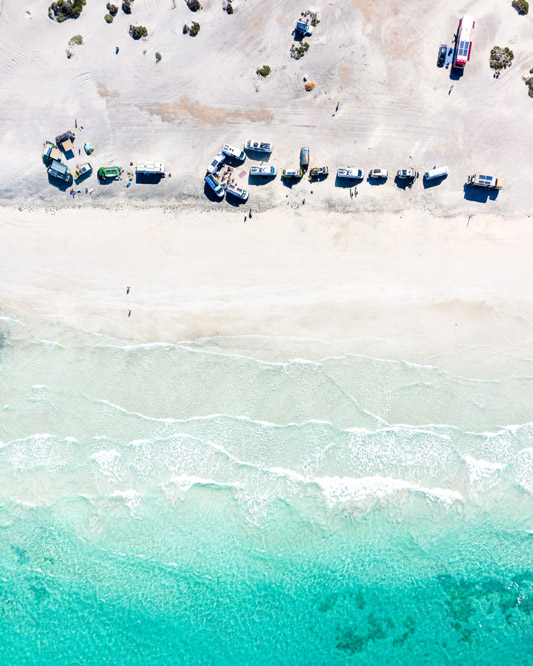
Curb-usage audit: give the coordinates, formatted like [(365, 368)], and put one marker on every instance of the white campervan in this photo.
[(436, 172), (231, 151)]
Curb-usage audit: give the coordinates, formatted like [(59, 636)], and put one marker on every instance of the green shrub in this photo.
[(229, 7), (76, 40), (126, 6), (194, 29), (158, 57), (62, 10), (138, 31), (263, 71), (299, 51), (185, 29), (108, 18), (112, 9), (193, 5), (521, 6), (501, 58)]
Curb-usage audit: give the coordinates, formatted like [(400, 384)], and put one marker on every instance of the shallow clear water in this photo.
[(260, 501)]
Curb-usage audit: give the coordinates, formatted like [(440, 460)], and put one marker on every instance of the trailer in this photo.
[(150, 168), (463, 43), (491, 182)]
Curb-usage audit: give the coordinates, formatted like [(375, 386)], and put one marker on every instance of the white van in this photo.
[(436, 172)]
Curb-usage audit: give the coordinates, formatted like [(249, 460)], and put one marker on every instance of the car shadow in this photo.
[(259, 180), (60, 184), (231, 161), (148, 179), (234, 201), (82, 178), (298, 36), (211, 195), (317, 179), (257, 155), (290, 182), (346, 182), (435, 182), (376, 181), (480, 194), (404, 183), (456, 73)]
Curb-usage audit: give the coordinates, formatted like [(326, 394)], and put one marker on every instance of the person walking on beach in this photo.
[(129, 313), (127, 290)]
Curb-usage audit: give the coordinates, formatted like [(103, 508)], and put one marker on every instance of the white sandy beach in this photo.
[(411, 283)]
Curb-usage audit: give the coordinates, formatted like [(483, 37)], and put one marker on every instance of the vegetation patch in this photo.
[(263, 71), (108, 18), (138, 31), (112, 9), (299, 50), (312, 17), (126, 6), (194, 29), (228, 7), (193, 5), (521, 6), (501, 58), (77, 40), (61, 10), (158, 57)]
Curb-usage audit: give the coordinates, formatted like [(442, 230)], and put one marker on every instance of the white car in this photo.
[(215, 185), (350, 172), (231, 151), (216, 163), (259, 146), (407, 174), (237, 192), (378, 173), (263, 171)]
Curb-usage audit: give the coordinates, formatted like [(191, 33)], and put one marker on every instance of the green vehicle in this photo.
[(292, 173), (109, 173)]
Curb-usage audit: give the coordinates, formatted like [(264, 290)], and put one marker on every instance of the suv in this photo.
[(407, 174), (216, 163), (378, 173), (442, 55), (350, 172), (303, 28)]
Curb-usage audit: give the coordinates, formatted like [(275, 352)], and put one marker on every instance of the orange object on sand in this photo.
[(309, 86)]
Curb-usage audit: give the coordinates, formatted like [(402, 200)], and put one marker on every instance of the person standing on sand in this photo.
[(127, 290), (129, 313)]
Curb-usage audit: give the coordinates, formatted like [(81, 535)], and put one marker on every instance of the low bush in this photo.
[(126, 6), (62, 10), (194, 29), (193, 5), (263, 71), (521, 6), (158, 57), (108, 18), (501, 58), (76, 40), (185, 29), (138, 31), (228, 7), (112, 9), (298, 51)]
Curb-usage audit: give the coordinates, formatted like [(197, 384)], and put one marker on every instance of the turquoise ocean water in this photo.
[(259, 501)]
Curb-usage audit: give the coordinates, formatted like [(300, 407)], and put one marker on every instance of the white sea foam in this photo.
[(132, 500), (109, 463), (340, 490)]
